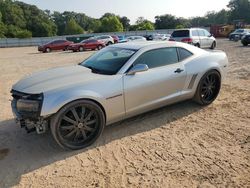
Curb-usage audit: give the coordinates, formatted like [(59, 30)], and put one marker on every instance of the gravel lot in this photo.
[(182, 145)]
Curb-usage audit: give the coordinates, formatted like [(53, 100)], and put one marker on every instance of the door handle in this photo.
[(178, 70)]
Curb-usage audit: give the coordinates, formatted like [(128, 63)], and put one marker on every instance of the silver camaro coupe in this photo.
[(118, 82)]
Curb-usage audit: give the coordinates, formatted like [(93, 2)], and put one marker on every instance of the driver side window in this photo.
[(158, 57), (207, 34)]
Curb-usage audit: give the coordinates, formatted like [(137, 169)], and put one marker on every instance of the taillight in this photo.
[(187, 40)]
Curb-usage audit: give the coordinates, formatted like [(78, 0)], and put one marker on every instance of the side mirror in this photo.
[(137, 68)]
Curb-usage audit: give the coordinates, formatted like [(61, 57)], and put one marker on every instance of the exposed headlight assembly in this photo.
[(25, 105)]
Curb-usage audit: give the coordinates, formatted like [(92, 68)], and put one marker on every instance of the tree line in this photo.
[(21, 20)]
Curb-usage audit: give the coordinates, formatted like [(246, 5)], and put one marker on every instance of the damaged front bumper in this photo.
[(31, 121)]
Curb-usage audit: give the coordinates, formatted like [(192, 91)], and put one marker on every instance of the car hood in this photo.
[(56, 78)]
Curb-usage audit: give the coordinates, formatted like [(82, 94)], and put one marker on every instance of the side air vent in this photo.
[(191, 84)]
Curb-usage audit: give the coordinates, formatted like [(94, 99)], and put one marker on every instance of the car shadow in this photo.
[(35, 53), (242, 46), (21, 153)]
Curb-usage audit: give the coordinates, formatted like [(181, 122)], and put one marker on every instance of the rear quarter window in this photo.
[(184, 54), (181, 33)]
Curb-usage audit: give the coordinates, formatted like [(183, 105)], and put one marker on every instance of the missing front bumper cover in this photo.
[(40, 126)]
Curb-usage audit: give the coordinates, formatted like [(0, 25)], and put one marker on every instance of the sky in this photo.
[(133, 8)]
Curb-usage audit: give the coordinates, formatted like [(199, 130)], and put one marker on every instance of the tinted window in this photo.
[(54, 42), (201, 33), (104, 37), (58, 41), (184, 54), (109, 60), (158, 57), (90, 41), (195, 33), (100, 37), (180, 33)]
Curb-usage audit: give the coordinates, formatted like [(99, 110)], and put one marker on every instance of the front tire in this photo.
[(244, 43), (213, 45), (208, 88), (78, 124), (99, 47), (47, 50), (65, 48)]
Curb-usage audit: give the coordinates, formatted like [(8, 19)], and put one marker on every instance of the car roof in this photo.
[(148, 45), (135, 45), (135, 36), (139, 45), (193, 28)]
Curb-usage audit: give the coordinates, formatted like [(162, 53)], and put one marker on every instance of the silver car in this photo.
[(238, 34), (136, 39), (106, 39), (160, 37), (118, 82), (195, 36)]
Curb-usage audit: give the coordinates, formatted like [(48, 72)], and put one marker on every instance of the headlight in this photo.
[(24, 105)]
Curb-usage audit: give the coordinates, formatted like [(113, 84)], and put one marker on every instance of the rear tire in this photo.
[(109, 43), (208, 88), (244, 43), (197, 45), (81, 49), (78, 124)]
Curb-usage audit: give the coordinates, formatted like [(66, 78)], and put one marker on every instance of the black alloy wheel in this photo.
[(78, 124), (208, 88)]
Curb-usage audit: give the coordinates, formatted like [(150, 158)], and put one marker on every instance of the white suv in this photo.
[(195, 36), (106, 39)]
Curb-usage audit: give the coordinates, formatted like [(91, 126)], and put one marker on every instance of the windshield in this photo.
[(239, 31), (85, 40), (109, 60)]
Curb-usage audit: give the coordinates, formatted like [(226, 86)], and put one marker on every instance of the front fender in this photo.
[(53, 101)]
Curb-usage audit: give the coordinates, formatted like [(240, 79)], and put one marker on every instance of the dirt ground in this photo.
[(183, 145)]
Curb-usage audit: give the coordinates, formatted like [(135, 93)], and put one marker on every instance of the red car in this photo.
[(55, 45), (116, 39), (89, 44)]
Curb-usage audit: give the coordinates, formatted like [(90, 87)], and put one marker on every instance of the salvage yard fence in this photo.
[(15, 42)]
